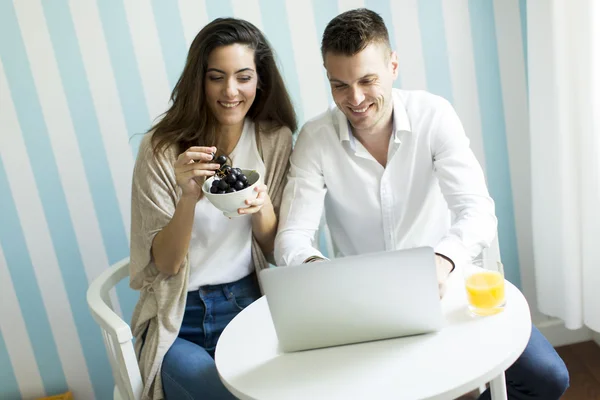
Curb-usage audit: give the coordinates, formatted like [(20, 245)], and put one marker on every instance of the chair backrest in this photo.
[(116, 333)]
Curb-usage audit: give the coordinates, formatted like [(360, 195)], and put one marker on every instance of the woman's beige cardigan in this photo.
[(159, 311)]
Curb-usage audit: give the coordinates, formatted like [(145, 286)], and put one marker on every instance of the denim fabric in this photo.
[(188, 370), (539, 373)]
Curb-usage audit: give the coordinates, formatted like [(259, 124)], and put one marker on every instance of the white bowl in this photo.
[(229, 203)]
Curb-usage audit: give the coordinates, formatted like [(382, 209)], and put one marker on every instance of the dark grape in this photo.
[(228, 180), (222, 185), (231, 178), (239, 185), (221, 160)]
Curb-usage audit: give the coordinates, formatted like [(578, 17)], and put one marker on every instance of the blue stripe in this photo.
[(324, 11), (125, 67), (219, 9), (9, 388), (523, 17), (95, 163), (383, 8), (323, 245), (487, 71), (278, 34), (20, 267), (435, 49), (172, 40)]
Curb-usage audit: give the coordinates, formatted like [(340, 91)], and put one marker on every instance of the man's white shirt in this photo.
[(432, 192)]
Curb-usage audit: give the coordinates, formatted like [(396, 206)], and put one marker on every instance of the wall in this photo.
[(78, 78)]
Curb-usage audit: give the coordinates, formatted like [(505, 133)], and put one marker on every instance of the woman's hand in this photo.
[(192, 167), (264, 220), (261, 201)]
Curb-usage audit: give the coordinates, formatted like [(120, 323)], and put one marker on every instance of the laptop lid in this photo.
[(354, 299)]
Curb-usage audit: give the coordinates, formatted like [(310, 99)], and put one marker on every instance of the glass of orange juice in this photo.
[(484, 281)]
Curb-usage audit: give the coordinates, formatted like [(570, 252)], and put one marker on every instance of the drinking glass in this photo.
[(484, 281)]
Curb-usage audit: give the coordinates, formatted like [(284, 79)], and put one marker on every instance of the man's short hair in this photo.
[(350, 32)]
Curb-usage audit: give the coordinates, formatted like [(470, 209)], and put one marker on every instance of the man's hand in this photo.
[(443, 268)]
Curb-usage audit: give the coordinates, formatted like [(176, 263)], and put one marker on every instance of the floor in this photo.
[(583, 363)]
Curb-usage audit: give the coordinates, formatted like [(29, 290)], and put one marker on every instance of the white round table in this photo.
[(467, 353)]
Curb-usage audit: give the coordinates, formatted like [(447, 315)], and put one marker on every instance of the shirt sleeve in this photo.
[(302, 203), (463, 185)]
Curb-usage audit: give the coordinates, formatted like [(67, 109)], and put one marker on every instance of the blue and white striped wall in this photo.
[(78, 78)]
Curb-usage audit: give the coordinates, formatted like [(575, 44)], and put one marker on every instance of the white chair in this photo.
[(116, 333)]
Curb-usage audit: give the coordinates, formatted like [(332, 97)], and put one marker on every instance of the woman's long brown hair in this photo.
[(189, 122)]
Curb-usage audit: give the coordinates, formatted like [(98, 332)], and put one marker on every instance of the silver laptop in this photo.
[(354, 299)]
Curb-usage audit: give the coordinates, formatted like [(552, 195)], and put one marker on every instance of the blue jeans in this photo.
[(539, 373), (188, 370)]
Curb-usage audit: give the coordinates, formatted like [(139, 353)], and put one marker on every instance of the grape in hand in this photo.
[(221, 160)]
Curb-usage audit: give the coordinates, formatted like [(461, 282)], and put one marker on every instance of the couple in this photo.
[(388, 166)]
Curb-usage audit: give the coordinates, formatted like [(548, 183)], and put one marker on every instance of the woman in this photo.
[(195, 268)]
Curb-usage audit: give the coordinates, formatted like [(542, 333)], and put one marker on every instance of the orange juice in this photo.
[(485, 290)]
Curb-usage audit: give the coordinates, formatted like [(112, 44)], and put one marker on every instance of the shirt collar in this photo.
[(400, 121)]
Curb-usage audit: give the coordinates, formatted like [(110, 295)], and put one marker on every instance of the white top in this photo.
[(465, 354), (220, 248), (370, 208)]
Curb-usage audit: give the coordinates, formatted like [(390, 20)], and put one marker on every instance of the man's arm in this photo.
[(463, 185), (302, 203)]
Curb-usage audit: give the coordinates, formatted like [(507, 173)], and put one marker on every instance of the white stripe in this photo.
[(248, 10), (405, 15), (193, 18), (307, 56), (103, 87), (26, 196), (345, 5), (14, 332), (148, 53), (462, 72), (514, 95)]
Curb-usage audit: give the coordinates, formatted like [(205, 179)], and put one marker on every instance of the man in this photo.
[(393, 169)]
